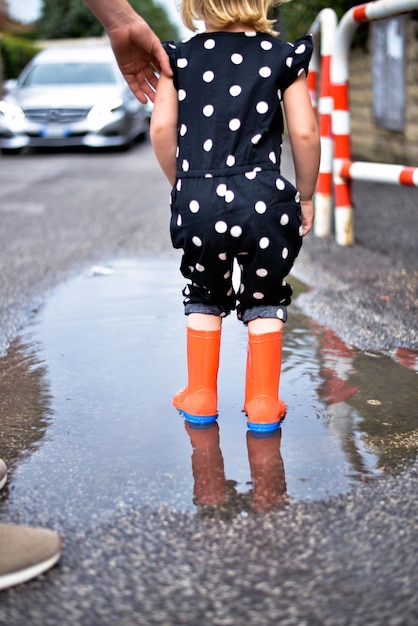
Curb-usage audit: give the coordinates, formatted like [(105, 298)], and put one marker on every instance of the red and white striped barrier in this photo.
[(379, 173), (313, 76), (344, 228), (323, 29)]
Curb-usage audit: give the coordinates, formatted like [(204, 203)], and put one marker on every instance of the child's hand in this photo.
[(308, 213)]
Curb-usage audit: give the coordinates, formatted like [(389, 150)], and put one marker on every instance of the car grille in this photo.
[(56, 116)]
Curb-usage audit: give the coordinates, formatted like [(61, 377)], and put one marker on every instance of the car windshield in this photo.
[(70, 74)]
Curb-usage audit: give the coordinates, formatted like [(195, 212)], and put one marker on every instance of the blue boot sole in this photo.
[(264, 428), (198, 420)]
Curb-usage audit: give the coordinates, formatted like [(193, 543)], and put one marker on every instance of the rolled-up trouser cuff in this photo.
[(270, 312), (275, 312), (207, 309)]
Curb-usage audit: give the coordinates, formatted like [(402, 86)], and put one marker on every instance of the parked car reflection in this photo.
[(71, 96)]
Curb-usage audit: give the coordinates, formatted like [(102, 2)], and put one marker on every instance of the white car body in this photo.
[(71, 96)]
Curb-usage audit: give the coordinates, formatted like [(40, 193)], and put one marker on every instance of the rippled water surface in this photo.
[(88, 426)]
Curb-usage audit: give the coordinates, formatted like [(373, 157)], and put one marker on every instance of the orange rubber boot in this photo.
[(262, 405), (198, 401)]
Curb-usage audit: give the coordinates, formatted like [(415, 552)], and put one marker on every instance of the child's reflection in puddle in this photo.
[(215, 496)]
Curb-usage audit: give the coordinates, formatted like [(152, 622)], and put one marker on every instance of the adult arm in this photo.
[(305, 143), (134, 44)]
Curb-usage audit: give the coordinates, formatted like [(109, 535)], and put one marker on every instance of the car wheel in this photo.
[(141, 137)]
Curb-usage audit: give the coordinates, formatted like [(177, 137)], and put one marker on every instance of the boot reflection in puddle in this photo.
[(267, 472), (210, 485), (215, 496)]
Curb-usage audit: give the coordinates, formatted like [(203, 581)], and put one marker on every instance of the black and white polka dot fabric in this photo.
[(229, 200)]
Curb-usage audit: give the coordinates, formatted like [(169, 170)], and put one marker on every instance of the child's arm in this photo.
[(164, 126), (305, 142)]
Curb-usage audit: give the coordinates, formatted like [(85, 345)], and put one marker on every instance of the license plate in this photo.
[(54, 131)]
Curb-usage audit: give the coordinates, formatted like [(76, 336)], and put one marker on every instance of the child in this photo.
[(217, 131)]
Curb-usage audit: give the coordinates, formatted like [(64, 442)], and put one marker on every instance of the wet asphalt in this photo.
[(349, 559)]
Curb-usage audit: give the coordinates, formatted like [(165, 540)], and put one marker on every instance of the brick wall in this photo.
[(369, 143)]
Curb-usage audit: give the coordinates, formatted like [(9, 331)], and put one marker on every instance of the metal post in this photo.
[(344, 227)]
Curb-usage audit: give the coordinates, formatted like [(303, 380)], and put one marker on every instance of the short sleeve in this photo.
[(297, 61), (171, 48)]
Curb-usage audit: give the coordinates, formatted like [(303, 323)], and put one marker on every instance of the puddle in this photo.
[(87, 425)]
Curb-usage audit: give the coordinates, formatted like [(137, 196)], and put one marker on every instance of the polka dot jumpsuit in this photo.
[(230, 201)]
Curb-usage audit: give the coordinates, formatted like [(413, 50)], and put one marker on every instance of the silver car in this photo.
[(71, 96)]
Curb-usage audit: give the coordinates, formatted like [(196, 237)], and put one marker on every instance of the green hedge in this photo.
[(16, 53)]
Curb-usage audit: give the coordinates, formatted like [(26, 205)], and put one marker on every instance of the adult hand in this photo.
[(138, 51), (136, 47)]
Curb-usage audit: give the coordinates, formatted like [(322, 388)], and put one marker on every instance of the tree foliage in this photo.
[(296, 16), (157, 18), (15, 53), (62, 19)]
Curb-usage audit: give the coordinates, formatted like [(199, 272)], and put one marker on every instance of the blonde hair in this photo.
[(223, 13)]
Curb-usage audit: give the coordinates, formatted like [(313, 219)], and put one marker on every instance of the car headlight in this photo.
[(102, 112), (11, 112)]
